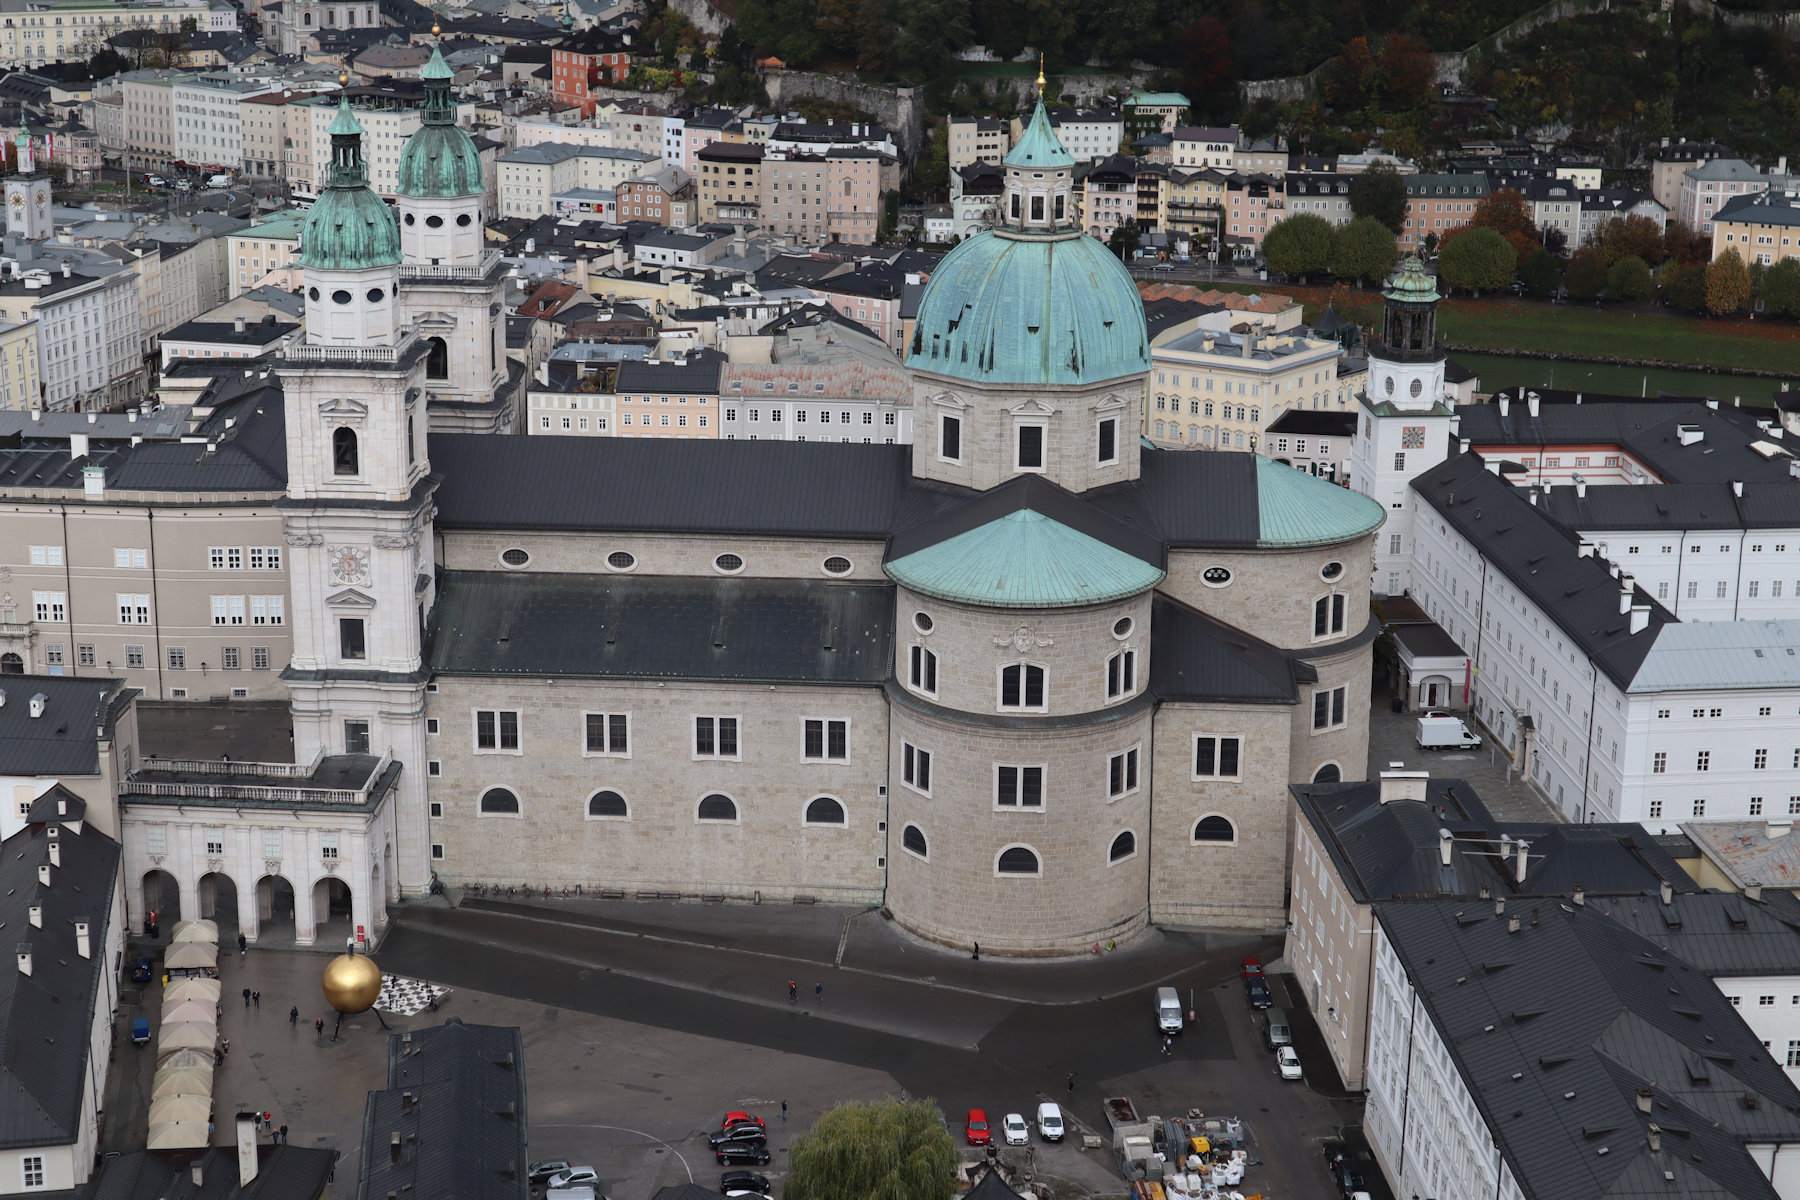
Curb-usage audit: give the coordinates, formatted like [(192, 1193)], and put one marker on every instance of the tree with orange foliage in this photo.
[(1505, 213)]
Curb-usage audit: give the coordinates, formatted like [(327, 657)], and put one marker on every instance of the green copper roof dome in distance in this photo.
[(1039, 148), (1010, 308), (1412, 283), (1025, 560), (348, 227), (440, 160)]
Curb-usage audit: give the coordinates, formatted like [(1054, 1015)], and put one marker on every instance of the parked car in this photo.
[(976, 1130), (1017, 1132), (219, 181), (140, 970), (572, 1177), (544, 1168), (1343, 1173), (743, 1183), (1252, 966), (1050, 1122), (1288, 1063), (743, 1131), (1257, 989), (1276, 1030), (732, 1153), (738, 1118)]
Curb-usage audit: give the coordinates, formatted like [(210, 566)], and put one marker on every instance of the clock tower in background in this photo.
[(28, 195), (1404, 419)]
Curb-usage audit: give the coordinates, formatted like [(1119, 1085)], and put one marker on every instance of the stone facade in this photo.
[(988, 432)]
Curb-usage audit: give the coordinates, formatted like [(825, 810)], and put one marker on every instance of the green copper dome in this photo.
[(1025, 560), (440, 160), (1412, 282), (1006, 307), (348, 227), (1039, 147)]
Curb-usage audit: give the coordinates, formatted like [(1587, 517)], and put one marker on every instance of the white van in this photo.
[(1168, 1010), (219, 181), (1050, 1122)]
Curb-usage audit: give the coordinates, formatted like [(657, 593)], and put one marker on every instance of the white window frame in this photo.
[(1217, 739), (1035, 853), (960, 448), (1100, 425), (1000, 687), (30, 1166), (1042, 425), (589, 752), (737, 737), (589, 799), (1131, 765), (825, 755), (1043, 770), (909, 754), (1126, 658), (1123, 858), (475, 745), (835, 799), (1337, 709), (918, 654), (1337, 615)]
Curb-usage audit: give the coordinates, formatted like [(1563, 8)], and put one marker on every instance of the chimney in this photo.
[(1520, 864), (1667, 891), (1462, 445), (1445, 844), (1579, 896), (246, 1148), (65, 268), (1580, 488), (1625, 590), (394, 1148), (1640, 618), (24, 955), (1779, 829), (1403, 785), (406, 1043), (197, 1173), (1505, 404), (238, 324), (1531, 403), (55, 853), (44, 874), (1578, 397), (1644, 1096), (36, 914), (1512, 923), (1655, 1137), (1585, 549), (84, 946), (1753, 891), (1500, 906), (406, 1102)]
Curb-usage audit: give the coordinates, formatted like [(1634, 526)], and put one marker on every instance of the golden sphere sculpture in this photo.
[(352, 983)]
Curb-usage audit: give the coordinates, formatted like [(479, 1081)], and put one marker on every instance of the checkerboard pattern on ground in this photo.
[(404, 997)]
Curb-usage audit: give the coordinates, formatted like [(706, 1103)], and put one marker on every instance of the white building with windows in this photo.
[(88, 334), (209, 123), (1221, 391)]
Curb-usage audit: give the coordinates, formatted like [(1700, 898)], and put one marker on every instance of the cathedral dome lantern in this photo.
[(440, 185), (350, 250), (1406, 362)]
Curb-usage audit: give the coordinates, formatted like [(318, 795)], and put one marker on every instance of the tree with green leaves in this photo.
[(1298, 245), (1380, 192), (1541, 273), (1124, 239), (1621, 236), (1477, 259), (887, 1150), (1628, 281), (1505, 213), (1684, 285), (1364, 250), (1727, 285), (1586, 276), (1781, 288)]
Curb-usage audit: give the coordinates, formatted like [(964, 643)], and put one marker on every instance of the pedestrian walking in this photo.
[(819, 992), (246, 997), (319, 1026), (294, 1015), (256, 998), (784, 1110), (977, 955), (793, 991), (243, 944), (282, 1138), (218, 1056), (225, 1045), (1071, 1083), (1168, 1047)]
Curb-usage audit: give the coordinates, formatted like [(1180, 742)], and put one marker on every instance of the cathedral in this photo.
[(1027, 682)]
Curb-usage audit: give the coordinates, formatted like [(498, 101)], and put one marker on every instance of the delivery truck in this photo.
[(1439, 731)]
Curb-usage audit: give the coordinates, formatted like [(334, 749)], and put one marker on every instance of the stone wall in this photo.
[(705, 17), (901, 109), (1271, 593)]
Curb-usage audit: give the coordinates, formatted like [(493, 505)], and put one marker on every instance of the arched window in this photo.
[(912, 840), (344, 460), (718, 808), (1328, 773), (1017, 860), (846, 187), (1214, 829), (823, 810), (499, 801), (11, 664), (607, 804), (1123, 847), (437, 359)]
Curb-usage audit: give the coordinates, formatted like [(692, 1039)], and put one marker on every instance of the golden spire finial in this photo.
[(343, 79), (435, 31), (1040, 75)]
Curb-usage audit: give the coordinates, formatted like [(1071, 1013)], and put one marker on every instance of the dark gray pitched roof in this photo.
[(667, 627), (1721, 933), (692, 378), (1195, 657), (283, 1173), (1316, 422), (1540, 558), (1676, 506), (1645, 428), (62, 741), (1041, 496), (46, 1018), (1555, 1026)]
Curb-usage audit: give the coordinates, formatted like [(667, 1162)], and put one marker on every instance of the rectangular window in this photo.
[(915, 767), (827, 740), (229, 658), (356, 737), (215, 841), (134, 657), (1655, 809), (53, 606), (31, 1171), (715, 737), (1659, 762), (1216, 757), (84, 654), (922, 670), (1328, 709), (497, 730), (1328, 615), (1121, 674), (1107, 442), (1756, 806), (1793, 1054), (1400, 462), (177, 658), (1021, 686), (1700, 808), (351, 643), (950, 438), (1030, 448), (259, 658), (328, 846), (1122, 773), (133, 609), (130, 559), (1019, 787), (608, 733), (1703, 760), (46, 556)]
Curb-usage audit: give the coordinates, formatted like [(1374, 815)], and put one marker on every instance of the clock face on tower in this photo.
[(18, 200), (349, 564)]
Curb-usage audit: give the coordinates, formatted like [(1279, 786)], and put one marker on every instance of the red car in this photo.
[(977, 1130), (1252, 967), (738, 1118)]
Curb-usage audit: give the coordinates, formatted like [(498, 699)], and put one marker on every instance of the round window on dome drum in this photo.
[(376, 295), (464, 221), (837, 564), (1330, 571), (1216, 577), (409, 218), (434, 222), (621, 560), (922, 622), (730, 564), (515, 557), (1122, 627), (312, 293), (340, 297)]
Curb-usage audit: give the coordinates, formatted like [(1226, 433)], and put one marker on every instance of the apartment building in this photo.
[(1670, 164), (833, 197), (264, 125), (1086, 133), (1253, 204), (794, 137), (209, 120), (701, 129), (1609, 204), (823, 381), (530, 180), (976, 139), (668, 399), (664, 197), (1155, 112), (587, 62), (728, 184), (19, 365), (1197, 147), (1324, 194), (1707, 188), (1763, 227), (75, 30), (148, 99), (532, 133), (1439, 204), (1108, 197), (271, 244), (1220, 390), (1195, 201), (637, 129), (89, 354)]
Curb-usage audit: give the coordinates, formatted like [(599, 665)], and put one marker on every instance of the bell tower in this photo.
[(358, 510), (28, 194)]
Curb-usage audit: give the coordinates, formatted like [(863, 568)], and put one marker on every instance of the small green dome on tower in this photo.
[(1412, 283), (440, 160), (348, 227)]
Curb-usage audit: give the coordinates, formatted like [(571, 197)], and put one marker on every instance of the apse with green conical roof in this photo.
[(350, 250)]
